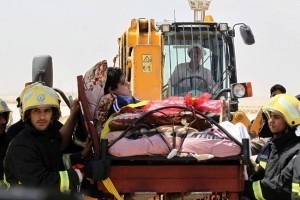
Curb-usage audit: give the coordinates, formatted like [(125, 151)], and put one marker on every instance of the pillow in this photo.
[(102, 109), (123, 121), (94, 80), (112, 136), (153, 145)]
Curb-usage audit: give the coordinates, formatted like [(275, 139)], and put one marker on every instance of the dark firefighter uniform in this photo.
[(273, 180), (36, 161), (4, 142), (5, 117), (275, 174), (296, 178)]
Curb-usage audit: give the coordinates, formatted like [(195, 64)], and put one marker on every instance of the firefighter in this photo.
[(262, 135), (273, 177), (34, 157), (5, 117), (65, 129), (15, 128)]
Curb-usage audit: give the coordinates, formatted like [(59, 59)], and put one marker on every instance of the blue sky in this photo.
[(79, 33)]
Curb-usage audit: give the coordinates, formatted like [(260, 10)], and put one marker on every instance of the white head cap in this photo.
[(196, 45)]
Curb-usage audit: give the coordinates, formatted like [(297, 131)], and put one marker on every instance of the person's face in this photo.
[(123, 87), (276, 123), (275, 93), (41, 117), (3, 123), (195, 54)]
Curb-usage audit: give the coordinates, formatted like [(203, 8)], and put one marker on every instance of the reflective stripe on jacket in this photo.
[(257, 190), (296, 178), (34, 159), (273, 180)]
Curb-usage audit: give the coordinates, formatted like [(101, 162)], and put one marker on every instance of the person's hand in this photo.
[(97, 169), (75, 107)]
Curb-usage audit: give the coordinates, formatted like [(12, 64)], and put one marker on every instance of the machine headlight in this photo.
[(240, 90)]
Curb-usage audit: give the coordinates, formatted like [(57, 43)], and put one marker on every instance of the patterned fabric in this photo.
[(186, 140), (94, 80), (102, 109)]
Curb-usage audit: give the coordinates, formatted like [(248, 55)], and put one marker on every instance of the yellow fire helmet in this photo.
[(40, 95), (27, 87), (286, 105), (4, 107)]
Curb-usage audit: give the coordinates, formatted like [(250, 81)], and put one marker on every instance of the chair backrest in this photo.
[(94, 82), (90, 92), (86, 116)]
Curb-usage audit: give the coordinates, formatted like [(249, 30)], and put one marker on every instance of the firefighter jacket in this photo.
[(34, 159), (4, 142), (15, 128), (295, 166), (273, 179)]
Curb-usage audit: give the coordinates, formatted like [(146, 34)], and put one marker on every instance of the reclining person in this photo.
[(192, 76), (117, 94), (117, 85)]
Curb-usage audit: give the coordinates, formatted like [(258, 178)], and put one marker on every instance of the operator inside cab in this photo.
[(192, 76)]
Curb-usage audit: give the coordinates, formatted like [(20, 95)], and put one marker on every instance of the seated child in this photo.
[(117, 94), (117, 86)]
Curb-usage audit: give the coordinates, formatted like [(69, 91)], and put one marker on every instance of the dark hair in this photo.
[(114, 75), (55, 114), (277, 87)]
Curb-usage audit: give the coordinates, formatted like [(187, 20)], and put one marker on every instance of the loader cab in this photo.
[(218, 64), (217, 59)]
